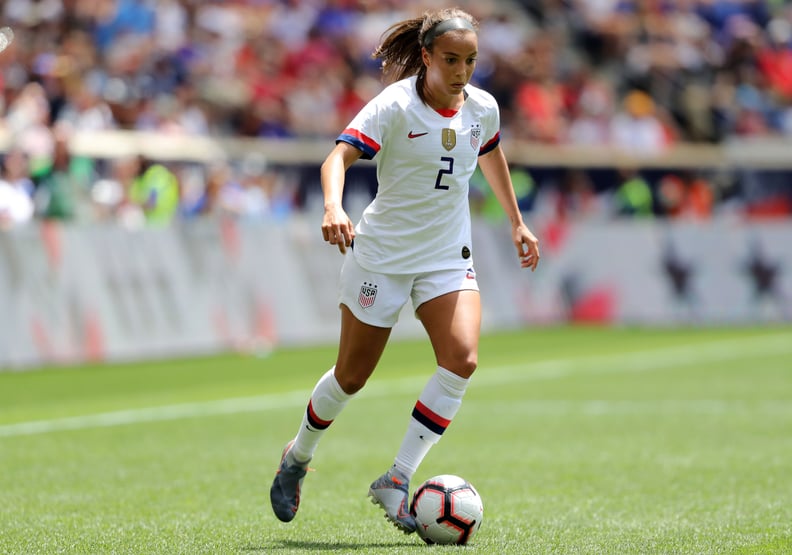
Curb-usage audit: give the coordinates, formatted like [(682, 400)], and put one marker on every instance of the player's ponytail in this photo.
[(400, 49)]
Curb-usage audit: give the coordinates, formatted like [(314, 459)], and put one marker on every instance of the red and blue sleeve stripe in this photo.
[(368, 146), (491, 144)]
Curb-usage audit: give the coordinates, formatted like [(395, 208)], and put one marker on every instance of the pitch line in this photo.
[(638, 361)]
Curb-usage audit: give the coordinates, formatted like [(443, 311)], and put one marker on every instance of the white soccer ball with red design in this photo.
[(447, 510)]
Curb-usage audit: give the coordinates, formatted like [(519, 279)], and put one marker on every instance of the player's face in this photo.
[(450, 64)]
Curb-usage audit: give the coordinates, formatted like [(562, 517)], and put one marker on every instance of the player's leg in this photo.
[(370, 304), (360, 348), (452, 320), (366, 343), (453, 324)]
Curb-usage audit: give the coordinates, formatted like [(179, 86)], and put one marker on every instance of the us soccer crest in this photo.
[(368, 294), (448, 138), (475, 135)]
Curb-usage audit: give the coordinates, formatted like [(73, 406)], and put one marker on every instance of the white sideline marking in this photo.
[(639, 361)]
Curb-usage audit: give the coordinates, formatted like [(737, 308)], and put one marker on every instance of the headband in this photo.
[(453, 24)]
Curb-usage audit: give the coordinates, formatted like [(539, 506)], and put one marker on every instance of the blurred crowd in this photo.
[(638, 75)]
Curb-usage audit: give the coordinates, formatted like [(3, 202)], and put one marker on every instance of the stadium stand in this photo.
[(699, 92)]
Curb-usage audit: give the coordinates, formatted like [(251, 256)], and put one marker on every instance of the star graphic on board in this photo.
[(678, 273), (763, 272)]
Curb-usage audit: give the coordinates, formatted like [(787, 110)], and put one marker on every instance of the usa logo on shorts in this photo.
[(368, 294)]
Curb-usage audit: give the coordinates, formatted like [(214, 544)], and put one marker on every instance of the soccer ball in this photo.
[(447, 510)]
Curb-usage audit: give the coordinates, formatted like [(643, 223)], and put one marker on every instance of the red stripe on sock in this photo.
[(431, 415), (315, 421)]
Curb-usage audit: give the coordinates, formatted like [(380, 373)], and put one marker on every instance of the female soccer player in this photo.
[(430, 129)]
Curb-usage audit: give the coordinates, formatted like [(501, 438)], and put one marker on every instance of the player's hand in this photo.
[(337, 228), (527, 247)]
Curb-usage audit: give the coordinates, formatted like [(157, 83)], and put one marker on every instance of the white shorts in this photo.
[(377, 299)]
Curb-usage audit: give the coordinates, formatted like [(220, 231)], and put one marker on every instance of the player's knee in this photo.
[(470, 365), (462, 365), (351, 384)]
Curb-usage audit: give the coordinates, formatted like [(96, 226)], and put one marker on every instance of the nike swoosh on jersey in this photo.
[(412, 135)]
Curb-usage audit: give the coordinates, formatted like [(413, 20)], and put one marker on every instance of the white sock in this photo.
[(436, 407), (326, 403)]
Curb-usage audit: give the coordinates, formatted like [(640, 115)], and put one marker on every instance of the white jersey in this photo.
[(419, 220)]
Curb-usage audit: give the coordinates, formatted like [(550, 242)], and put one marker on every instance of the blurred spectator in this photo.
[(539, 105), (85, 110), (62, 191), (484, 202), (254, 192), (785, 118), (752, 110), (356, 92), (312, 106), (591, 113), (686, 195), (31, 12), (156, 192), (637, 128), (292, 20), (774, 57), (29, 124), (569, 196), (114, 19), (175, 114), (576, 199), (633, 195), (206, 199), (27, 109), (246, 195), (16, 190), (171, 21), (111, 196)]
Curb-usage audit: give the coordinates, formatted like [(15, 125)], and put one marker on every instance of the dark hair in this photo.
[(400, 48)]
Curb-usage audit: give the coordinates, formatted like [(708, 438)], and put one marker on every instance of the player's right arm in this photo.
[(337, 228)]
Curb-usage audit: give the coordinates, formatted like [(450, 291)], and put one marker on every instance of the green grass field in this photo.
[(579, 440)]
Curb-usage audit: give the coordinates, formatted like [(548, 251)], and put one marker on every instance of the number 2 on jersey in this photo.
[(444, 171)]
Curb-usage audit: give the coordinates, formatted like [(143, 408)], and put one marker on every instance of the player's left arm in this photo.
[(496, 171)]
